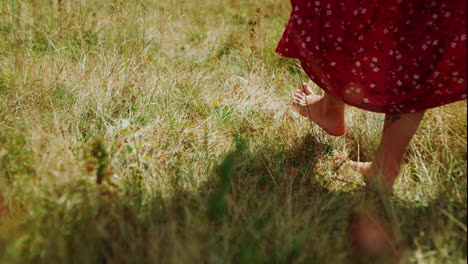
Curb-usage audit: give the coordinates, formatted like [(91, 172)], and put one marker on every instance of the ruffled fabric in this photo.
[(392, 56)]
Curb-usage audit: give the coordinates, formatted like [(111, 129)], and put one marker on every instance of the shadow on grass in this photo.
[(288, 215), (259, 206)]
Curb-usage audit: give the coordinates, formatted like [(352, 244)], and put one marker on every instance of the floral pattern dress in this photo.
[(388, 56)]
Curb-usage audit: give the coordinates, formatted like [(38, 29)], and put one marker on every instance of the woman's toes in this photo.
[(295, 102), (362, 167), (299, 93), (296, 97), (299, 98), (356, 165)]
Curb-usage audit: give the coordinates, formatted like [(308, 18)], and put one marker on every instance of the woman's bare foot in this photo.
[(365, 168), (327, 111), (370, 172)]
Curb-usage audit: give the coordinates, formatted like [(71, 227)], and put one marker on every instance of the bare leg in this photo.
[(397, 133), (326, 111)]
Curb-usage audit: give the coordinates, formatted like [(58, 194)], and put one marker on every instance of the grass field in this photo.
[(161, 131)]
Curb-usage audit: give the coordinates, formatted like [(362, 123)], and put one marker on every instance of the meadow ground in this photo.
[(158, 131)]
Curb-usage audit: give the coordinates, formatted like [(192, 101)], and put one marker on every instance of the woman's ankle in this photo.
[(332, 103), (383, 176)]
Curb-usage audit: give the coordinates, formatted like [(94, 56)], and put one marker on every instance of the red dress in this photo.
[(388, 56)]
